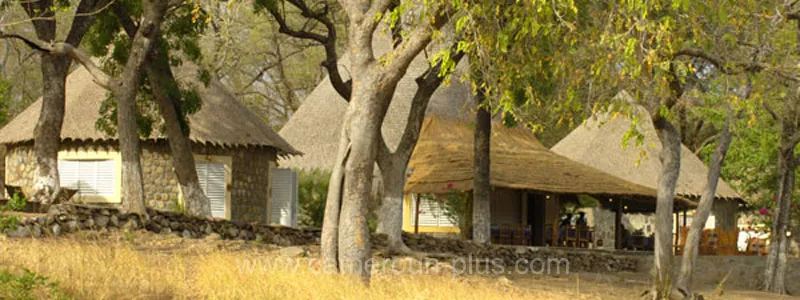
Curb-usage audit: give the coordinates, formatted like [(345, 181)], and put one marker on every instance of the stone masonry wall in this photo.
[(20, 167), (250, 180), (251, 185)]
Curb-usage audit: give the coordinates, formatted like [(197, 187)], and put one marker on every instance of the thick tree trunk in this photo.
[(167, 94), (329, 242), (47, 135), (125, 91), (390, 213), (775, 273), (167, 97), (668, 178), (703, 210), (368, 107), (481, 181)]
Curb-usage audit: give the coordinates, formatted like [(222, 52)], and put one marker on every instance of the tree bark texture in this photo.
[(390, 213), (167, 96), (125, 90), (703, 210), (481, 178), (670, 158), (54, 68), (775, 273)]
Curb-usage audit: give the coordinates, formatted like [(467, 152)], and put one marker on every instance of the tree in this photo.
[(54, 69), (392, 163), (124, 87)]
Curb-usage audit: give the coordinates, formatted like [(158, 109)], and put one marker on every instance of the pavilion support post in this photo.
[(618, 226)]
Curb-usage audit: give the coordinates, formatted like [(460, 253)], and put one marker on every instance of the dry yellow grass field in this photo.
[(148, 266)]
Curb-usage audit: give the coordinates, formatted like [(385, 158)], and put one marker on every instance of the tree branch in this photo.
[(65, 49), (417, 40), (718, 62)]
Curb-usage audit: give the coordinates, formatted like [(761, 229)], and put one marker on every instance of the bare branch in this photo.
[(65, 49), (417, 40)]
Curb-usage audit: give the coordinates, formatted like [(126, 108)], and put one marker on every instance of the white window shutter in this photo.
[(213, 182), (283, 200), (89, 177), (431, 213)]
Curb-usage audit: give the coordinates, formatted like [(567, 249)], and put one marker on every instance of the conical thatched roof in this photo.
[(444, 155), (600, 146), (222, 120), (315, 127)]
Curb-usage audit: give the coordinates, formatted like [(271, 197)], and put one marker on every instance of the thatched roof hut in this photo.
[(444, 155), (222, 120), (598, 143), (315, 127)]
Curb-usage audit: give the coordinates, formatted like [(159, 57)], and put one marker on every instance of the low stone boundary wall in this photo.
[(580, 260), (68, 218)]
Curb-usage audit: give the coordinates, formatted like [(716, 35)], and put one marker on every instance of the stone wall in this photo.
[(250, 182), (251, 185), (20, 166), (69, 218)]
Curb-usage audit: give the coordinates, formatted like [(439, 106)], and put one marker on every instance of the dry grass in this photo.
[(125, 268), (149, 266)]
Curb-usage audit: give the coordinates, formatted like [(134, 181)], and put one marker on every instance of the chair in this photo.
[(585, 236)]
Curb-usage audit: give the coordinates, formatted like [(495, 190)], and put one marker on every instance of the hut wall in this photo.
[(19, 167), (251, 184), (506, 206)]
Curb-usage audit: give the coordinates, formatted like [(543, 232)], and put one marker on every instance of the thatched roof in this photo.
[(600, 146), (444, 155), (221, 121), (315, 127)]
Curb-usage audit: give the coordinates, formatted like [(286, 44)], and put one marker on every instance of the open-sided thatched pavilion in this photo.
[(598, 143), (527, 178)]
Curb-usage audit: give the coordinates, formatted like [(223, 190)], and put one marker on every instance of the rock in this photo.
[(214, 237), (102, 221), (294, 251), (113, 221), (281, 240), (88, 224), (36, 231), (20, 232), (71, 226), (233, 232), (187, 234), (165, 230), (174, 225), (131, 225), (55, 229)]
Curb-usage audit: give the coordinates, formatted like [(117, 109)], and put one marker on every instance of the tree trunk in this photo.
[(390, 213), (167, 97), (774, 277), (668, 178), (703, 210), (481, 178), (125, 91), (47, 135), (329, 242), (167, 93)]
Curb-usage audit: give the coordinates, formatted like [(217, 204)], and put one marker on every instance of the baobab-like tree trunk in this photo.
[(47, 134), (125, 90), (390, 213), (167, 97), (481, 175), (393, 165), (670, 158), (775, 273), (703, 210)]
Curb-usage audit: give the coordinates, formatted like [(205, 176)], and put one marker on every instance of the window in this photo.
[(212, 181), (89, 177), (431, 213)]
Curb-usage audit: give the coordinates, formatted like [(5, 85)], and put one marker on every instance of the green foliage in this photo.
[(28, 286), (312, 192), (455, 206), (9, 222), (180, 38)]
